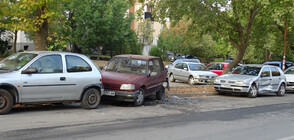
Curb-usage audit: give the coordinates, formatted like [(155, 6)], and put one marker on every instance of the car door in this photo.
[(265, 80), (177, 71), (49, 84), (151, 84), (276, 78), (185, 72), (161, 74)]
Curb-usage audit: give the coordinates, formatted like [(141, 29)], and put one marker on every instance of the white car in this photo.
[(289, 74), (193, 73)]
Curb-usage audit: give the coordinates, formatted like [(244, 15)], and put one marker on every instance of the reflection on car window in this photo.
[(289, 71), (127, 65), (197, 67), (265, 72), (247, 70), (179, 66), (48, 64), (275, 72), (76, 64), (16, 61)]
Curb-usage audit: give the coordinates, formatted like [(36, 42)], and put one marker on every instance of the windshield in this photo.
[(16, 61), (197, 67), (289, 71), (127, 65), (247, 70), (185, 60)]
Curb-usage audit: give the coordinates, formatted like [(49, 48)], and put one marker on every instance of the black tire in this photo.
[(190, 80), (91, 98), (172, 78), (160, 95), (6, 101), (221, 92), (140, 98), (282, 90), (253, 91)]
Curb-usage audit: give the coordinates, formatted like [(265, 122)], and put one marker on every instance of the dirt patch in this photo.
[(191, 90), (100, 62)]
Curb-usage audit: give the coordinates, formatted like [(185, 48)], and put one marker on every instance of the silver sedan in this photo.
[(252, 79), (193, 73), (289, 74)]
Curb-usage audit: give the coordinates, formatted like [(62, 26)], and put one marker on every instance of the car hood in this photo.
[(7, 76), (236, 77), (206, 73), (289, 77), (113, 80)]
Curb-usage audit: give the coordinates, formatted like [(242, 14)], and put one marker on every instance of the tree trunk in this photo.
[(98, 51), (15, 39), (40, 37), (236, 60)]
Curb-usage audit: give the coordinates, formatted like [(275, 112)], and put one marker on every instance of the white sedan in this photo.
[(289, 74)]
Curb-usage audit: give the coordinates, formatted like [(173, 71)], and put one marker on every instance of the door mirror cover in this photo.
[(30, 71)]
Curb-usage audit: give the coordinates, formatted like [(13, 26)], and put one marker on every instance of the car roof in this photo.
[(273, 62), (255, 65), (137, 56), (191, 62), (220, 63), (49, 52)]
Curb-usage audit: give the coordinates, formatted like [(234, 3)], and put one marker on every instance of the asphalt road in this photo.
[(213, 117)]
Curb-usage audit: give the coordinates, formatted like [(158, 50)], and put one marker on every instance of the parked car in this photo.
[(279, 64), (193, 73), (217, 67), (131, 78), (182, 60), (289, 74), (34, 77), (252, 80)]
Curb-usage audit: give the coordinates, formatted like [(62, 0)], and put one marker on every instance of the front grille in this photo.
[(290, 84), (223, 81), (226, 89)]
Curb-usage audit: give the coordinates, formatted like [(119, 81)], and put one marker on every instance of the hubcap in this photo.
[(140, 97), (171, 77), (3, 102), (282, 90), (92, 99), (253, 91), (191, 81)]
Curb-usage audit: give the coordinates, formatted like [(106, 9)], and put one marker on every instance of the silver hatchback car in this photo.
[(34, 77), (252, 79)]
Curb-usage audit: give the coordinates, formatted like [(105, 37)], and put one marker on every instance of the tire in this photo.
[(160, 95), (172, 78), (220, 92), (190, 80), (253, 91), (91, 98), (282, 90), (140, 98), (6, 101)]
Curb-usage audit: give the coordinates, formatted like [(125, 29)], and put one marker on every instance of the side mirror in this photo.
[(30, 71), (186, 69)]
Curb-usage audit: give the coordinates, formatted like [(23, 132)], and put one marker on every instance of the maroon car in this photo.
[(131, 78)]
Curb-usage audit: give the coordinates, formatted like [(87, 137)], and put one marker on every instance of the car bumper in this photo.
[(290, 88), (231, 88), (122, 95), (202, 80)]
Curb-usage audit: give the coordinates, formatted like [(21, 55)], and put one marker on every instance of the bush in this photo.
[(155, 51)]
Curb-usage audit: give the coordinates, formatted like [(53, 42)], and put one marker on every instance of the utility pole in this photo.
[(284, 57)]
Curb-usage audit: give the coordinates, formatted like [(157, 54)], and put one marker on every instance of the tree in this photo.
[(232, 20), (145, 32), (31, 16)]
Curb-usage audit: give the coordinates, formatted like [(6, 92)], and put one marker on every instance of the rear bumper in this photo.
[(122, 95), (232, 88)]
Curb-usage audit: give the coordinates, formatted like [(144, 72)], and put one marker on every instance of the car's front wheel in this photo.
[(6, 101), (253, 91), (91, 98), (160, 95), (140, 98), (172, 78), (282, 90), (191, 80)]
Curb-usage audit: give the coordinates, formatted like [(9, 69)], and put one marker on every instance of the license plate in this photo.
[(226, 86), (110, 93)]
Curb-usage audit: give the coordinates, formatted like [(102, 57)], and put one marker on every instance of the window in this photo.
[(289, 71), (76, 64), (48, 64), (265, 72), (185, 66), (155, 66), (275, 72), (212, 67), (179, 66)]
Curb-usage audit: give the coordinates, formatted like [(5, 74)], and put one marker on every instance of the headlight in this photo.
[(127, 87), (239, 82), (216, 81), (196, 76), (202, 76)]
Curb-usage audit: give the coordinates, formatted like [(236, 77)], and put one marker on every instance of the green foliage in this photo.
[(3, 43), (156, 51), (145, 32)]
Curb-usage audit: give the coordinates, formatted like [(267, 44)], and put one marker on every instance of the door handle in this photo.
[(62, 78)]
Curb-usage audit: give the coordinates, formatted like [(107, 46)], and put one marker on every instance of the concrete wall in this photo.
[(23, 42)]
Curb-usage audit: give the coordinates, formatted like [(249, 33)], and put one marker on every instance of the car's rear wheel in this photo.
[(172, 78), (140, 98), (191, 80), (282, 90), (221, 92), (253, 91), (160, 95), (91, 98), (6, 101)]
